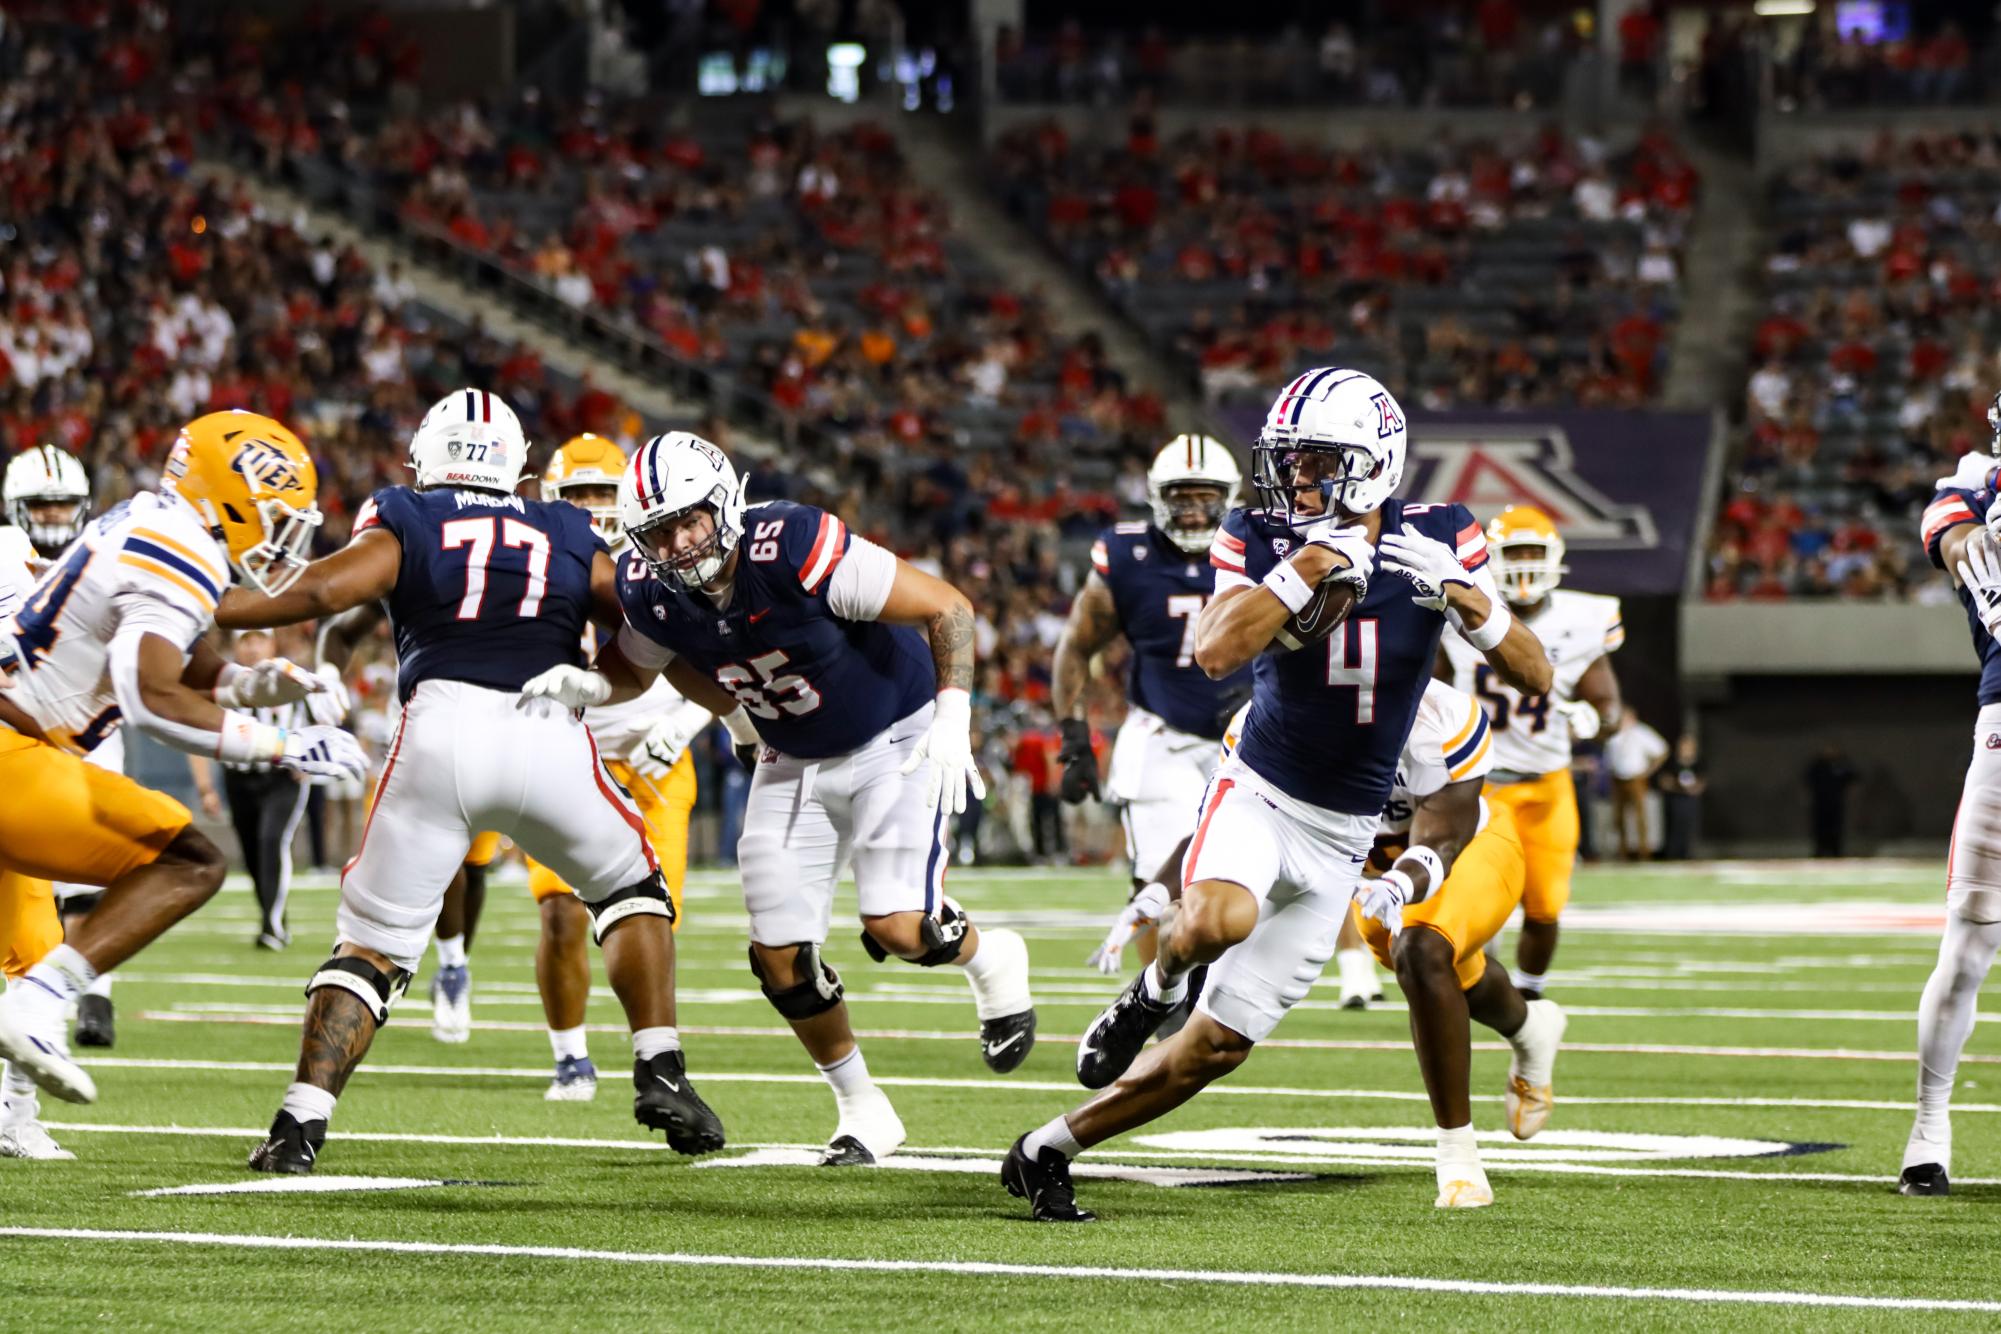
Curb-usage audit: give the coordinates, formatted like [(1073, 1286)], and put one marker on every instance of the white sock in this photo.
[(100, 987), (451, 951), (1358, 972), (308, 1102), (1056, 1135), (569, 1042), (64, 973), (648, 1043), (1945, 1018), (998, 974), (1457, 1152), (848, 1078), (1158, 988), (1526, 981), (18, 1099)]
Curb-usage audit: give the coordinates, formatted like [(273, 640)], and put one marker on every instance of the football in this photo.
[(1323, 612)]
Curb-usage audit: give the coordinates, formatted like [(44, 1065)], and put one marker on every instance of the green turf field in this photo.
[(1731, 1105)]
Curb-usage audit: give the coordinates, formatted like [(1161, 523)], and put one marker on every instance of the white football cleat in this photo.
[(31, 1139), (451, 1003), (869, 1131), (42, 1056), (1531, 1093), (1465, 1192), (576, 1081)]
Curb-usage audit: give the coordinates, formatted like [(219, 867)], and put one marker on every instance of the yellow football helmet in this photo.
[(1527, 554), (590, 462), (254, 485)]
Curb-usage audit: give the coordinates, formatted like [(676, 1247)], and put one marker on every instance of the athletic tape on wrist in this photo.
[(244, 740), (1288, 587), (1492, 630)]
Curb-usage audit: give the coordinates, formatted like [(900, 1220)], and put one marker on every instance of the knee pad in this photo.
[(643, 897), (76, 905), (941, 936), (817, 994), (364, 981)]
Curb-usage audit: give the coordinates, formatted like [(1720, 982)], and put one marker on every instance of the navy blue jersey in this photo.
[(1159, 591), (818, 685), (1328, 721), (1952, 506), (493, 589)]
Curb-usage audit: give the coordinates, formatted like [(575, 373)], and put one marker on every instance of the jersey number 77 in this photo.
[(477, 537)]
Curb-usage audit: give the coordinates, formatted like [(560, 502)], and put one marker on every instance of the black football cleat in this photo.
[(846, 1151), (666, 1100), (1044, 1181), (1530, 993), (1005, 1042), (96, 1025), (292, 1147), (1924, 1179), (1113, 1041)]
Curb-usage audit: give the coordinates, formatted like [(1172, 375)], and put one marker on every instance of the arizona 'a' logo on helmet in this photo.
[(253, 483)]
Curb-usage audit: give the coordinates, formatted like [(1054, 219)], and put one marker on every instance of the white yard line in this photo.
[(982, 1268)]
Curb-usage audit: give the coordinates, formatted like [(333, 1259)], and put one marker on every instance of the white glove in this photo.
[(1582, 717), (1994, 519), (661, 748), (331, 706), (1350, 542), (1137, 918), (571, 687), (325, 754), (271, 682), (1980, 575), (1428, 563), (948, 749), (1384, 897)]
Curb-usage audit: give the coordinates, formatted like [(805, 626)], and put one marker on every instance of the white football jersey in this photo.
[(18, 563), (149, 563), (1530, 735)]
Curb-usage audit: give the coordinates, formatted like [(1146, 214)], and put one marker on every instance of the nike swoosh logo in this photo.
[(671, 1085), (757, 616), (996, 1048)]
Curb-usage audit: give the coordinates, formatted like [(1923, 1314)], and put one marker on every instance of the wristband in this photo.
[(244, 740), (1407, 891), (1434, 868), (1492, 630), (743, 732), (1287, 586)]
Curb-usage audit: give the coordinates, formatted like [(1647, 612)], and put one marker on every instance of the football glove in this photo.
[(1351, 543), (1383, 898), (1428, 563), (664, 743), (1079, 761), (271, 682), (1994, 519), (947, 749), (571, 687), (1140, 915), (1582, 717), (330, 706), (1980, 574), (323, 754)]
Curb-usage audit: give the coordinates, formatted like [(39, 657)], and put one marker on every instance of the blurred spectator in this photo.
[(1828, 779), (1633, 752), (1681, 783)]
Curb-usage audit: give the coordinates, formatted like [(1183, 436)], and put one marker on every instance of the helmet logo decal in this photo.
[(267, 468), (1388, 420)]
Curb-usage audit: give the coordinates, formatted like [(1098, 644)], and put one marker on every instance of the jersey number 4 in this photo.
[(477, 536), (1351, 661)]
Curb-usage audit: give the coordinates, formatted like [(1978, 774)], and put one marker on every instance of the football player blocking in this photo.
[(854, 670), (113, 634), (1959, 532), (1534, 731), (1288, 819), (485, 591)]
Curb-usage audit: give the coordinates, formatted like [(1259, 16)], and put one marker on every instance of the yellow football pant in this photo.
[(665, 806), (1545, 811), (1473, 904)]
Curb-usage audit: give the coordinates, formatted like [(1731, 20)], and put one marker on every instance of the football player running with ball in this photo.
[(856, 669), (485, 591), (1289, 818)]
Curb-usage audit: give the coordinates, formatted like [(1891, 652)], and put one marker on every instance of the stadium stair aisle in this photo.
[(460, 301), (1719, 277)]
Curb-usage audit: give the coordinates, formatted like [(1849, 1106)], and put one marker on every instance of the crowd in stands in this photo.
[(1874, 365), (1830, 68), (1472, 271)]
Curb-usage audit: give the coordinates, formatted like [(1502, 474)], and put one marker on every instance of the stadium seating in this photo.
[(1469, 272), (1873, 369)]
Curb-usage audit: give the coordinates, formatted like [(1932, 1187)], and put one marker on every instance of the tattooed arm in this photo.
[(1093, 624), (945, 616)]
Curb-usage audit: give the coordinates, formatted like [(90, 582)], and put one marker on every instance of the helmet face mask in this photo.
[(699, 558), (253, 483), (1333, 436), (600, 501), (1327, 477), (48, 497), (1190, 513), (275, 564), (680, 504), (1525, 553), (585, 472), (1190, 486)]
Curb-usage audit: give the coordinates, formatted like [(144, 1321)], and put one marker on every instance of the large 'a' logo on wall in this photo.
[(1487, 469)]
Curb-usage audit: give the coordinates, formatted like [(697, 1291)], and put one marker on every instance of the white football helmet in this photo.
[(670, 475), (47, 476), (469, 438), (1334, 430), (1994, 422), (1191, 461)]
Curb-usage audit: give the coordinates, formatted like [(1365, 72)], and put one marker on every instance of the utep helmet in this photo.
[(254, 485), (1527, 554), (46, 475), (1191, 460), (670, 475), (589, 460), (1348, 419), (469, 438)]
